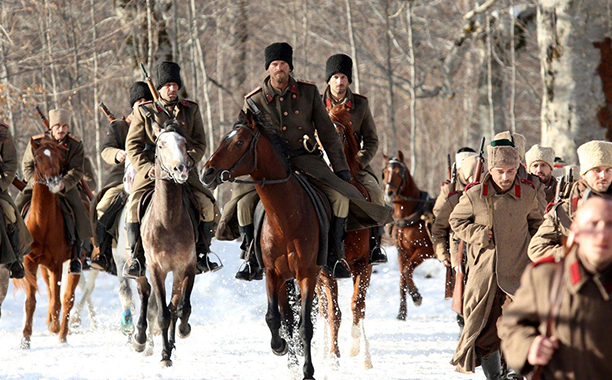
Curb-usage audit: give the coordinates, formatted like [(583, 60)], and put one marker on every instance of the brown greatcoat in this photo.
[(547, 241), (582, 327), (540, 187), (513, 217), (116, 134), (550, 189), (446, 244), (297, 111)]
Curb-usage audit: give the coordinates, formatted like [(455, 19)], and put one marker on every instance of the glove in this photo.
[(344, 175)]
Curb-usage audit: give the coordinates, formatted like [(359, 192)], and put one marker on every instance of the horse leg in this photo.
[(285, 291), (139, 339), (30, 302), (91, 284), (403, 310), (44, 273), (417, 259), (334, 315), (177, 293), (125, 296), (273, 318), (4, 280), (361, 282), (307, 289), (68, 302), (184, 310), (323, 304), (75, 320), (163, 315), (55, 283)]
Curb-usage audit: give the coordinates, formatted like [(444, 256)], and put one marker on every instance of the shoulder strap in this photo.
[(253, 106)]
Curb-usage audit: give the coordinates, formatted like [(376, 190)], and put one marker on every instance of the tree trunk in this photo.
[(390, 82), (413, 100), (351, 31), (238, 46), (96, 97), (576, 64), (50, 53)]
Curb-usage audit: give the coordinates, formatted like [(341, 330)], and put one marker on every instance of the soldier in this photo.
[(339, 76), (12, 228), (496, 218), (140, 143), (114, 154), (596, 170), (73, 155), (540, 163), (295, 109), (580, 343)]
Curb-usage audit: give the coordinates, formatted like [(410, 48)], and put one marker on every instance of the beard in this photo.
[(280, 78)]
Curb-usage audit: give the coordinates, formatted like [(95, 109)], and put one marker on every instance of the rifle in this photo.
[(450, 279), (109, 115), (83, 183), (154, 92), (449, 167), (457, 304)]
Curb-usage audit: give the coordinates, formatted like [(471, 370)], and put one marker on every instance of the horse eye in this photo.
[(239, 143)]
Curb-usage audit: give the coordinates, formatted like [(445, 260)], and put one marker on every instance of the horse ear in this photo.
[(34, 144), (400, 155), (250, 118)]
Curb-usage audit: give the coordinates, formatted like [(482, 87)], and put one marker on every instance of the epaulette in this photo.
[(38, 136), (74, 138), (146, 102), (255, 91), (545, 260), (528, 182), (551, 205), (361, 96), (4, 125), (303, 81), (470, 185), (145, 110), (185, 102)]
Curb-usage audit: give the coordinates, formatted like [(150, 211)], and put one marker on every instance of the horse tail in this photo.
[(24, 283)]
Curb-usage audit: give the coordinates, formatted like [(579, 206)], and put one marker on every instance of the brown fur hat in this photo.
[(500, 153)]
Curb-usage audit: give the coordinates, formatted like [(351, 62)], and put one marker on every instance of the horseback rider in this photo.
[(140, 145), (13, 229), (339, 76), (113, 152), (73, 156), (295, 109)]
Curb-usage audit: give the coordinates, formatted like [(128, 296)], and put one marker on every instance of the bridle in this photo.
[(38, 173), (169, 173), (398, 188), (226, 175)]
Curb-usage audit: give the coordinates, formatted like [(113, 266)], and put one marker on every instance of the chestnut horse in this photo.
[(357, 248), (50, 248), (4, 282), (409, 230), (290, 232)]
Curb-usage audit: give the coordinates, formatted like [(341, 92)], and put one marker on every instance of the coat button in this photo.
[(284, 127), (297, 112), (281, 98), (301, 141), (300, 128), (287, 141), (285, 113), (294, 96)]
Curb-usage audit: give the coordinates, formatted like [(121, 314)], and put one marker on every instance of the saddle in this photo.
[(69, 219), (424, 206), (324, 213), (189, 201)]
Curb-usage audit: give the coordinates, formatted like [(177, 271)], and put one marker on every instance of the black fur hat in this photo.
[(168, 72), (339, 63), (138, 91), (279, 51)]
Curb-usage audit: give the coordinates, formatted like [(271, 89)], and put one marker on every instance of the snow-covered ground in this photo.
[(230, 339)]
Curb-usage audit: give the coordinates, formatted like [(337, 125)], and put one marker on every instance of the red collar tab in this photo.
[(269, 98), (575, 204), (158, 108), (545, 260), (485, 189), (184, 103), (517, 190), (469, 185), (349, 104), (294, 89), (528, 181), (575, 271), (327, 102)]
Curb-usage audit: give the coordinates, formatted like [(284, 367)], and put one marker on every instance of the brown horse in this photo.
[(290, 232), (357, 247), (168, 239), (50, 248), (409, 230)]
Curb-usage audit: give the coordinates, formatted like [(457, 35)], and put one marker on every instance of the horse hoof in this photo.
[(429, 275), (354, 349), (165, 363), (25, 344), (75, 322), (139, 347), (282, 350), (367, 364), (418, 303), (54, 327), (401, 316), (184, 332), (63, 340)]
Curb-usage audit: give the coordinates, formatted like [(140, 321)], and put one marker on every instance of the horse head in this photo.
[(129, 175), (341, 118), (237, 153), (396, 177), (48, 163), (171, 152)]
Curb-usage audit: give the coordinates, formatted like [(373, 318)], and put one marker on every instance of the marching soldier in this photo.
[(73, 154), (339, 76), (295, 109), (114, 154), (12, 228), (140, 145), (496, 218), (595, 159), (540, 163), (580, 343)]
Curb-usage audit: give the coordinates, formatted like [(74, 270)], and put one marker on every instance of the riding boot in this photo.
[(251, 270), (336, 264), (16, 269), (87, 246), (75, 259), (377, 255), (205, 235), (99, 258), (137, 265), (491, 366)]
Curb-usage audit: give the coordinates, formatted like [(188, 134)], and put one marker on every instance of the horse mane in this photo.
[(280, 145), (339, 114)]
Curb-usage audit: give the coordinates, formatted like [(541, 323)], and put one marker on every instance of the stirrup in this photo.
[(383, 252), (219, 266), (126, 266), (345, 265)]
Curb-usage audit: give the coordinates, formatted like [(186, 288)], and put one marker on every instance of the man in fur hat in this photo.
[(73, 155), (497, 219), (595, 159), (112, 194), (339, 76), (295, 109), (140, 143), (540, 163), (14, 234)]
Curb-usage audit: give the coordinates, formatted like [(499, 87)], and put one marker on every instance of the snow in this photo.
[(230, 339)]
